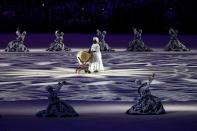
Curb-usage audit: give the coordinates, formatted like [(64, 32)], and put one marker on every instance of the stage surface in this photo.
[(101, 98), (24, 76)]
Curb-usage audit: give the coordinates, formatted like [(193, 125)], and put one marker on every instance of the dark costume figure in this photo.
[(56, 107), (58, 44), (147, 103), (103, 45), (137, 44), (17, 45), (174, 44)]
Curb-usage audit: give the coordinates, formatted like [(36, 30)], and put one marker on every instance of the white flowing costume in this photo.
[(96, 63)]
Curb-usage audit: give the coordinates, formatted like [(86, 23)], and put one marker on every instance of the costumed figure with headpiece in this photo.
[(147, 103), (137, 44), (96, 63), (56, 107), (174, 44), (58, 44), (18, 44)]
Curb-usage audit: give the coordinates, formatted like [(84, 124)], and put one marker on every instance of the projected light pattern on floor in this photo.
[(25, 76)]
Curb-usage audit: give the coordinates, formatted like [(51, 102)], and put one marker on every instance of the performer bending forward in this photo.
[(96, 63)]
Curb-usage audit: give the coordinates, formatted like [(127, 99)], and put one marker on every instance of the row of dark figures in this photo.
[(173, 45), (135, 45), (147, 104)]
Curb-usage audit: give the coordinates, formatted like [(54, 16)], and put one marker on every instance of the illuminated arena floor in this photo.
[(101, 99), (23, 76)]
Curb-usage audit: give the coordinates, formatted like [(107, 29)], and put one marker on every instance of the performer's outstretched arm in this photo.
[(151, 78), (59, 86)]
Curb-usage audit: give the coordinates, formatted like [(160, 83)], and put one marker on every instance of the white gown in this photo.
[(96, 62)]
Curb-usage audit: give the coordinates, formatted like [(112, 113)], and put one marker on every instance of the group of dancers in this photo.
[(18, 45), (91, 61), (173, 45), (147, 104), (136, 44)]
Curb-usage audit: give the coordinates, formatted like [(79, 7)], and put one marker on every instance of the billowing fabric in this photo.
[(58, 44), (137, 44), (174, 44), (18, 44), (103, 45), (56, 107), (147, 104)]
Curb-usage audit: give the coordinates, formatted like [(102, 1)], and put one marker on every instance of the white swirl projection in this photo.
[(24, 76)]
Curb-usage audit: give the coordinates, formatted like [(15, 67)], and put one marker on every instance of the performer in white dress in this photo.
[(96, 63)]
